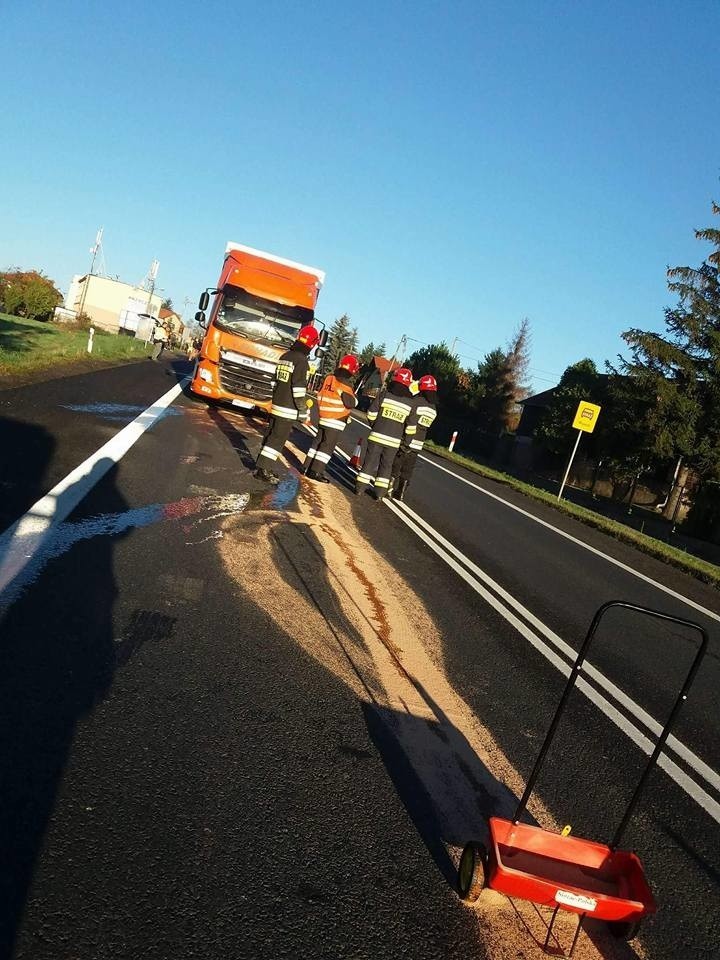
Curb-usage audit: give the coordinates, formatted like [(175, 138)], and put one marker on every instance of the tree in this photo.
[(518, 362), (368, 352), (677, 374), (342, 339), (580, 381), (29, 293), (167, 303), (491, 393), (437, 360), (500, 383)]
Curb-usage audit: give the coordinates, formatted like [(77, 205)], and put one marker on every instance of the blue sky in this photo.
[(453, 167)]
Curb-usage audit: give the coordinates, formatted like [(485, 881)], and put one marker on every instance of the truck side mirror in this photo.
[(201, 318), (323, 338), (203, 301)]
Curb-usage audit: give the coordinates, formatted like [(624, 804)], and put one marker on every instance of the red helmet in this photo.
[(403, 375), (350, 363), (309, 335), (428, 382)]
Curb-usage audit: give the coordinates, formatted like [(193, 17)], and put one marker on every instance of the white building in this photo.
[(112, 305)]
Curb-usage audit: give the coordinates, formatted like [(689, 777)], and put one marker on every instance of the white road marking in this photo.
[(693, 789), (21, 542), (445, 550), (706, 772), (568, 536)]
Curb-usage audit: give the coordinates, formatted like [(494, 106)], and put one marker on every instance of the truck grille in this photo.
[(245, 381)]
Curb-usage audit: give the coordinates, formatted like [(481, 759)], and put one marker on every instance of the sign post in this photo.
[(586, 416)]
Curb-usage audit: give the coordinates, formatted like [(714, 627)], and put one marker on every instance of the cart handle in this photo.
[(572, 679)]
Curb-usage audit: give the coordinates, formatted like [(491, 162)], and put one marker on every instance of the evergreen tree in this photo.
[(368, 352), (675, 376), (500, 383), (342, 339), (492, 396), (518, 363)]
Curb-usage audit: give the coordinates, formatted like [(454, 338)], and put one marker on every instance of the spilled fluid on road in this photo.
[(284, 493), (118, 412), (62, 537)]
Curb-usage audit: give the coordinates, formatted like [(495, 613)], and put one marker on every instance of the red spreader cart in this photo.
[(565, 872)]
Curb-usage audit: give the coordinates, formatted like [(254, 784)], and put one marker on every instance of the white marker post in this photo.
[(452, 441), (91, 334), (586, 417)]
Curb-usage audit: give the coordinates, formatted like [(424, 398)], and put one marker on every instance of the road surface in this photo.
[(250, 723)]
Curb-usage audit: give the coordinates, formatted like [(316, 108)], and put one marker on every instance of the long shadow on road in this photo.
[(56, 664)]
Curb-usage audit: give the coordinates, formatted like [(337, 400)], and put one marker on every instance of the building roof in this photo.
[(539, 399), (384, 365), (165, 313)]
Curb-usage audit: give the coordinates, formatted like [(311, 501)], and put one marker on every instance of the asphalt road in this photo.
[(181, 778)]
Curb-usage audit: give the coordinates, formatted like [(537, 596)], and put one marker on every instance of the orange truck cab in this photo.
[(261, 301)]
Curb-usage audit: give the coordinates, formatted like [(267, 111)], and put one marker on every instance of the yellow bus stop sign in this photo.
[(586, 416)]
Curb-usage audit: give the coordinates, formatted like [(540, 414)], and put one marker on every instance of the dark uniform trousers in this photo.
[(275, 441), (322, 450), (378, 465), (287, 400), (391, 416), (404, 464)]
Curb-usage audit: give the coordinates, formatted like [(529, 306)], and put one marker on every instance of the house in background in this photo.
[(532, 410), (372, 377), (111, 304), (174, 322)]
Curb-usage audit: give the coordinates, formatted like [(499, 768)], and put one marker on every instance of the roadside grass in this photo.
[(30, 345), (700, 569)]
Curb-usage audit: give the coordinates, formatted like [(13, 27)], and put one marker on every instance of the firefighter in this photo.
[(336, 399), (391, 413), (414, 439), (288, 401)]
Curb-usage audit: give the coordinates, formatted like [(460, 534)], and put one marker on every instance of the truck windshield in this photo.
[(260, 319)]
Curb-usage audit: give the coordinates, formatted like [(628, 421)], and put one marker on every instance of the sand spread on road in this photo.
[(316, 577)]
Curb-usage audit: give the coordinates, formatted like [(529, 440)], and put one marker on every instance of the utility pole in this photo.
[(399, 350), (154, 267), (94, 251)]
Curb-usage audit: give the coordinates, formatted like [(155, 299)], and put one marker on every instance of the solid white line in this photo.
[(705, 771), (568, 536), (580, 543), (711, 806), (21, 542)]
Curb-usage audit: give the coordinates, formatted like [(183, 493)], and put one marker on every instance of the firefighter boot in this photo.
[(267, 475), (399, 494)]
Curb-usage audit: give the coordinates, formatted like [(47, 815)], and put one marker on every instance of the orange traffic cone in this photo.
[(355, 459)]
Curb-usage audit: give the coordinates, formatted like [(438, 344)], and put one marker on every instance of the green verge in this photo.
[(700, 569), (28, 345)]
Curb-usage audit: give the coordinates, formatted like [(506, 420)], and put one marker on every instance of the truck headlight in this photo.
[(206, 375)]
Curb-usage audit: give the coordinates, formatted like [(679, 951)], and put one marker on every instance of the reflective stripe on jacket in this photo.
[(335, 402), (424, 417), (288, 399), (388, 416)]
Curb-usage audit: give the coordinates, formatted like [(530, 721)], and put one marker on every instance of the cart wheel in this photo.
[(472, 871), (624, 929)]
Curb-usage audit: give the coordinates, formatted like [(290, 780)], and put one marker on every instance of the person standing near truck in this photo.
[(391, 416), (159, 338), (288, 401), (336, 400), (414, 441)]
